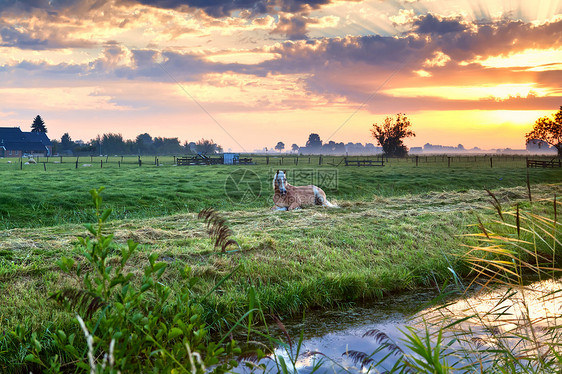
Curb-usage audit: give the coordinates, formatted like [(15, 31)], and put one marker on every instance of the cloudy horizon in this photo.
[(250, 73)]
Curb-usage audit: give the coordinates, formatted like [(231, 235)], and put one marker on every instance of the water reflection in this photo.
[(490, 320), (336, 332)]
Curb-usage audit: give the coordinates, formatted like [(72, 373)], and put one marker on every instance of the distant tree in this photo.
[(167, 146), (113, 144), (38, 125), (391, 133), (314, 141), (143, 144), (280, 146), (66, 142), (205, 146), (548, 130), (295, 148), (340, 148), (329, 147)]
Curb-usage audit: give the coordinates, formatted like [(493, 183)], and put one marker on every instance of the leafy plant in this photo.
[(129, 326)]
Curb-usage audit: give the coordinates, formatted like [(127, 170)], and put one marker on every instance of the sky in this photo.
[(250, 73)]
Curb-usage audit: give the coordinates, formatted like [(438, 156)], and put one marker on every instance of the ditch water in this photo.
[(334, 333)]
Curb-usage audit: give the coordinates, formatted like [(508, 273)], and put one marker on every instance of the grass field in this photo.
[(399, 227), (33, 197)]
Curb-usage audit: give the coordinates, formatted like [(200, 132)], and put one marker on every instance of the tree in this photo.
[(38, 125), (205, 146), (280, 146), (391, 133), (314, 141), (295, 148), (144, 143), (548, 130), (66, 142), (113, 144)]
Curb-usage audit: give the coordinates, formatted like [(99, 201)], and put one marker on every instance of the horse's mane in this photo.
[(275, 177)]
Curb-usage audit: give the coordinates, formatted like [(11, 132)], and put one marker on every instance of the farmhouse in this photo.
[(16, 143)]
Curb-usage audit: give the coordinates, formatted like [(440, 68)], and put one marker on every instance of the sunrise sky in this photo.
[(250, 73)]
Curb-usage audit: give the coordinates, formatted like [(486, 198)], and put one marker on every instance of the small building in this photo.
[(16, 143), (231, 158)]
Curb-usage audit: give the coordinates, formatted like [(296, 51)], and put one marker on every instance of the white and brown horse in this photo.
[(288, 197)]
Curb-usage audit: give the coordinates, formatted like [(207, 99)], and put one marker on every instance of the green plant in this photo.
[(129, 326)]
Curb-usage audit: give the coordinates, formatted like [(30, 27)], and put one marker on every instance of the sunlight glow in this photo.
[(537, 60), (250, 58), (497, 92)]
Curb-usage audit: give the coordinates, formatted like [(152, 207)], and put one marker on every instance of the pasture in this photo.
[(398, 227)]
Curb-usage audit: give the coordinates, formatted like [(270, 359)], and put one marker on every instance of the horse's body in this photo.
[(288, 197)]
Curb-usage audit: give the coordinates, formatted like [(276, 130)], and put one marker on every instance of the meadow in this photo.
[(399, 227)]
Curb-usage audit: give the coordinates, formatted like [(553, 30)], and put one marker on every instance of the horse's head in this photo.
[(280, 181)]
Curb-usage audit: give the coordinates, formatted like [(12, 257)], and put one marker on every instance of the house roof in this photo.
[(38, 136), (11, 134), (13, 139)]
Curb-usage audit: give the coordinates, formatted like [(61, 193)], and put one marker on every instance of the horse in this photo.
[(288, 197)]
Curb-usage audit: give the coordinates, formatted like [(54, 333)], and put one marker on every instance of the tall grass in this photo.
[(506, 322)]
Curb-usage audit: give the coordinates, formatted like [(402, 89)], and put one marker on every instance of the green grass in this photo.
[(399, 227), (33, 197)]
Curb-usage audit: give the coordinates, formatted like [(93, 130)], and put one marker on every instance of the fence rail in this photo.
[(544, 163)]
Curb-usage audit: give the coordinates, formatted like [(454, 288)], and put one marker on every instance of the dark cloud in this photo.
[(11, 37), (224, 8), (28, 39), (293, 27), (215, 8), (430, 24), (461, 42)]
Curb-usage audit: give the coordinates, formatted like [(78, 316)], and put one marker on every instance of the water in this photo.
[(340, 335)]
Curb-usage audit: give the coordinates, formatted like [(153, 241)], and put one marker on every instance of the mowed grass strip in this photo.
[(295, 260)]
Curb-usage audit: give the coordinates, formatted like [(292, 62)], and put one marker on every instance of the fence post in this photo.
[(61, 159), (21, 164), (45, 166), (101, 163), (448, 161), (320, 160), (491, 164), (297, 160), (267, 160), (416, 161), (119, 163), (76, 163)]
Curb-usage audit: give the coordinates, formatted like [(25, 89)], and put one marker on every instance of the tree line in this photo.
[(143, 144)]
